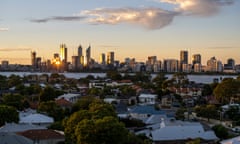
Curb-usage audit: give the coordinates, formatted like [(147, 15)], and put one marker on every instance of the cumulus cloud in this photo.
[(4, 29), (151, 18), (58, 18), (148, 17), (199, 7)]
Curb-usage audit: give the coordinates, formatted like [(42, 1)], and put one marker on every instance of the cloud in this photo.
[(148, 17), (58, 18), (4, 29), (199, 7), (151, 18)]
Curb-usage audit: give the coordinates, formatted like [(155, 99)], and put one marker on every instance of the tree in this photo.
[(159, 79), (71, 123), (208, 111), (100, 110), (127, 90), (101, 131), (15, 100), (95, 91), (8, 114), (220, 131), (195, 141), (233, 113), (52, 109), (83, 103), (47, 94), (180, 79), (97, 123), (207, 90), (14, 80), (3, 82), (114, 75), (226, 90), (180, 114)]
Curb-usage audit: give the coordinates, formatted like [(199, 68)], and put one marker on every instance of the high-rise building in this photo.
[(56, 56), (214, 65), (196, 59), (231, 62), (151, 60), (183, 58), (102, 59), (197, 67), (171, 65), (5, 64), (75, 62), (80, 51), (33, 59), (110, 58), (63, 53), (230, 66), (38, 62), (151, 64), (88, 55)]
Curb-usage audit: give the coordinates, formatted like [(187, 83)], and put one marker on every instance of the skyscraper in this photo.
[(88, 55), (183, 58), (196, 59), (110, 58), (75, 62), (170, 65), (102, 59), (63, 53), (231, 62), (33, 59), (214, 65), (80, 51)]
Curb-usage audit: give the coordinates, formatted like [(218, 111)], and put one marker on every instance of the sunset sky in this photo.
[(130, 28)]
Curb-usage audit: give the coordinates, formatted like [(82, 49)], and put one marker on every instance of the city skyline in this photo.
[(135, 29)]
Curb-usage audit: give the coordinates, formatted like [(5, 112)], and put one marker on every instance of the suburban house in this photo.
[(148, 99), (102, 83), (71, 97), (167, 101), (171, 131), (12, 138), (13, 127), (194, 92), (46, 136), (143, 112), (235, 140), (37, 119), (63, 103)]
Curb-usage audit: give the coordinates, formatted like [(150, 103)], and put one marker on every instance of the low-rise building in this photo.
[(148, 99)]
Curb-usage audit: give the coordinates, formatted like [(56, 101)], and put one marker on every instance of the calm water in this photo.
[(196, 78)]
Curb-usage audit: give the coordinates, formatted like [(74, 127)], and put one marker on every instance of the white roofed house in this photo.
[(148, 99), (171, 134), (37, 119), (70, 97), (174, 131)]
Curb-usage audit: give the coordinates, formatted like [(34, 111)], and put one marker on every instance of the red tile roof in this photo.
[(42, 134), (63, 102)]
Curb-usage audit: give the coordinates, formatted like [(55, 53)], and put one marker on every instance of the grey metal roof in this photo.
[(11, 138), (182, 133), (146, 109), (13, 127)]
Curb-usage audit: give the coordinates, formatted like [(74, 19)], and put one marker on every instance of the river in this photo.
[(196, 78)]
